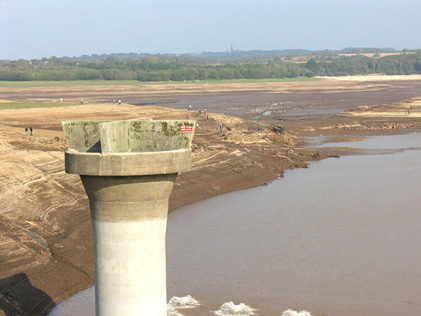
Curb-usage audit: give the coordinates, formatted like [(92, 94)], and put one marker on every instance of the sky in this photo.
[(33, 29)]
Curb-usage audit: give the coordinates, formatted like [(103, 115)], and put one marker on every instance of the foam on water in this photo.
[(183, 302), (177, 302), (290, 312), (229, 308), (172, 311)]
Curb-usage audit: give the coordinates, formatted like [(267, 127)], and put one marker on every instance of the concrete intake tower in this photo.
[(128, 169)]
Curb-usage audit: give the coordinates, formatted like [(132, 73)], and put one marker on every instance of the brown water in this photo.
[(338, 238)]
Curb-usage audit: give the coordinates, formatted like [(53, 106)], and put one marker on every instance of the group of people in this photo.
[(30, 130), (200, 114)]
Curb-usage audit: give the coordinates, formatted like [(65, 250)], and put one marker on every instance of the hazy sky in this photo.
[(43, 28)]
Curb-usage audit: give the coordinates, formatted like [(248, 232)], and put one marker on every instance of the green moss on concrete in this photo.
[(83, 136), (140, 135)]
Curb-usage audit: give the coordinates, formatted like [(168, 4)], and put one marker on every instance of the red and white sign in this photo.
[(186, 128)]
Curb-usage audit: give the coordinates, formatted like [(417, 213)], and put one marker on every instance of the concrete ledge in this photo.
[(128, 164), (129, 211)]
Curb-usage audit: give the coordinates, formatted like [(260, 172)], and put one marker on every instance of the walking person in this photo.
[(30, 129), (26, 131)]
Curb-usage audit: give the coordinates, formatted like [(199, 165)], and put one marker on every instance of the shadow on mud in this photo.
[(18, 297)]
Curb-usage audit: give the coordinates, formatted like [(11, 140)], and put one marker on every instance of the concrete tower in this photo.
[(128, 169)]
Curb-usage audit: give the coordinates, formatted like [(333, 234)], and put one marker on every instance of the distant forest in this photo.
[(211, 66)]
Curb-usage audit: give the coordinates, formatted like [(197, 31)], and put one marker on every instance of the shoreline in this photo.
[(46, 230), (38, 197)]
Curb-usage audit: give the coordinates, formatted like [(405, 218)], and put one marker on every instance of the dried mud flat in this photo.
[(46, 247)]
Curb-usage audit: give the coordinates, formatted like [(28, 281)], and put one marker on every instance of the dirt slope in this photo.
[(45, 222)]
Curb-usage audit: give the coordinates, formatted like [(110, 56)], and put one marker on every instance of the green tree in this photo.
[(313, 66)]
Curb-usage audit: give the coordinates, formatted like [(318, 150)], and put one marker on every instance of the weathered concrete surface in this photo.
[(82, 136), (128, 169), (129, 219), (128, 164), (145, 136), (137, 135)]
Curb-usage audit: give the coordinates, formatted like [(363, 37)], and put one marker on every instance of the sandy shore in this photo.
[(46, 252)]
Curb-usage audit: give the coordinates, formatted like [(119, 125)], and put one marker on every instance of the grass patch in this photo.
[(23, 84), (28, 105), (227, 81)]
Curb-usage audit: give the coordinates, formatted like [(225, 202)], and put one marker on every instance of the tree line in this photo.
[(173, 68), (249, 53)]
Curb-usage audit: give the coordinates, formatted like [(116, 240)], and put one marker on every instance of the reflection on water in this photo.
[(338, 238), (80, 304)]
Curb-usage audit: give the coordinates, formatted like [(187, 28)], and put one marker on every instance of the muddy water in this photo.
[(339, 238), (408, 141)]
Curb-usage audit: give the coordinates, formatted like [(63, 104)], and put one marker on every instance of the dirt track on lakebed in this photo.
[(46, 247)]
